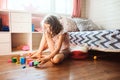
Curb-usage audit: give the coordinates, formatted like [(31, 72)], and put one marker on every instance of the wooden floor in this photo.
[(106, 67)]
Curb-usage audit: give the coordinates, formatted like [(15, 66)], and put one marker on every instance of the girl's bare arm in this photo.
[(43, 44), (55, 48)]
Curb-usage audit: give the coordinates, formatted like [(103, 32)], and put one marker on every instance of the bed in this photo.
[(102, 40)]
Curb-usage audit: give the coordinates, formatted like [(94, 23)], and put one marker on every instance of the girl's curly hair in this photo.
[(55, 25)]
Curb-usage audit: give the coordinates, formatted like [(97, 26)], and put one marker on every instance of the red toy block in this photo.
[(9, 61), (29, 60)]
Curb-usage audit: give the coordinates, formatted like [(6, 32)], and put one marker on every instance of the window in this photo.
[(47, 6)]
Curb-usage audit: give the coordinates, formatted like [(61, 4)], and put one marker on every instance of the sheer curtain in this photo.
[(76, 8), (47, 6)]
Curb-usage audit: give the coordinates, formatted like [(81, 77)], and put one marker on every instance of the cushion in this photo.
[(68, 24), (86, 24)]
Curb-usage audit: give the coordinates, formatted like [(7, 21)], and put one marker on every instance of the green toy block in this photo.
[(36, 63), (14, 60)]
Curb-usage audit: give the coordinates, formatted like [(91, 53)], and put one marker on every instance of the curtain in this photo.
[(76, 8), (3, 4)]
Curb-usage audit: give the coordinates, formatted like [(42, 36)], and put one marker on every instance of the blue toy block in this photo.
[(22, 60)]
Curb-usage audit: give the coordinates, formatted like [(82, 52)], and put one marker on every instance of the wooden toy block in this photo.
[(31, 64), (22, 60), (28, 61), (9, 61), (14, 60), (36, 63)]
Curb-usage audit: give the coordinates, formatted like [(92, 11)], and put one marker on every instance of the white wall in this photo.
[(105, 13), (83, 8)]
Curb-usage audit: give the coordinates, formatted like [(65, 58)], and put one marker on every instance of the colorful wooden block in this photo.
[(28, 60), (36, 63), (14, 60), (22, 60), (9, 61), (31, 64)]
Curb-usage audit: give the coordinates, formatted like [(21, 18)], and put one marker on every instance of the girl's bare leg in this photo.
[(58, 58)]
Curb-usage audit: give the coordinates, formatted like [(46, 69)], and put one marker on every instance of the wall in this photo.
[(83, 8), (104, 13), (3, 4)]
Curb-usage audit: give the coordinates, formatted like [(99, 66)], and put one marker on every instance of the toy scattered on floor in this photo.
[(14, 60), (33, 63), (28, 60), (22, 60), (9, 61), (95, 57), (17, 62), (36, 63), (23, 67)]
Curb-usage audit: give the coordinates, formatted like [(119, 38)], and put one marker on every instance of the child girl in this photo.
[(55, 39)]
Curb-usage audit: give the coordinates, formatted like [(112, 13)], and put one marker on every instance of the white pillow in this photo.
[(68, 24), (86, 24)]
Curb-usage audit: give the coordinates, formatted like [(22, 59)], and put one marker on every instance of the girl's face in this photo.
[(47, 27)]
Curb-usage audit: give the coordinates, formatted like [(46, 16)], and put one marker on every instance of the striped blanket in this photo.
[(103, 40)]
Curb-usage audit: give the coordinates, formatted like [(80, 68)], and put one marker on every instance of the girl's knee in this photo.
[(58, 58)]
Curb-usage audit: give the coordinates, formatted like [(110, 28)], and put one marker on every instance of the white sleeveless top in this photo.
[(65, 43)]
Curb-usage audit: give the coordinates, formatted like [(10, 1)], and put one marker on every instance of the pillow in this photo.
[(86, 24), (68, 24)]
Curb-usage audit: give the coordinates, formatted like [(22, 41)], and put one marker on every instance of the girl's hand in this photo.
[(35, 55), (48, 34), (44, 60)]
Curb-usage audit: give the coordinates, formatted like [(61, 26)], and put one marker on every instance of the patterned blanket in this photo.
[(103, 40)]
